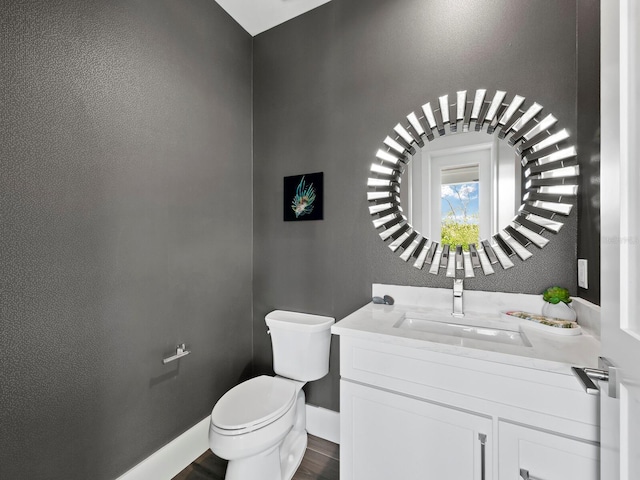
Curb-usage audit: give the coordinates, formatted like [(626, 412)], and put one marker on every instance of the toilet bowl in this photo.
[(260, 424), (241, 426)]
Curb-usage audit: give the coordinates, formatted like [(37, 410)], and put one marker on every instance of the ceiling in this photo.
[(256, 16)]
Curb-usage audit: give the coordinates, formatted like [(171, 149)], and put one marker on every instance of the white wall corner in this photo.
[(323, 423), (588, 315), (174, 457)]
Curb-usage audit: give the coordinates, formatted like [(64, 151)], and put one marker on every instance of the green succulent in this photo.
[(556, 295)]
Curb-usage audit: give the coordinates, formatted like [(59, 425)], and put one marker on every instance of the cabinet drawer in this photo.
[(544, 455), (551, 400)]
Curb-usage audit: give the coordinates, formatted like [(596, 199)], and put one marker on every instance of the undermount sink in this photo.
[(462, 328)]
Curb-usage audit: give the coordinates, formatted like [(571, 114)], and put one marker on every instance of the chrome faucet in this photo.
[(457, 298)]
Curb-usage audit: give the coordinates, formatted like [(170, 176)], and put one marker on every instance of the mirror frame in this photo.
[(550, 169)]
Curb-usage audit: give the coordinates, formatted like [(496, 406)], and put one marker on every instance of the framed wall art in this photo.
[(303, 197)]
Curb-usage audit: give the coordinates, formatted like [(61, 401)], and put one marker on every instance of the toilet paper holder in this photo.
[(180, 352)]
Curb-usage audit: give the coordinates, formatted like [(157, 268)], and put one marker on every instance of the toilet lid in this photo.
[(256, 401)]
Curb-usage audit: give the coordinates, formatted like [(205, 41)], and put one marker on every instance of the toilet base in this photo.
[(291, 453), (277, 463), (257, 467)]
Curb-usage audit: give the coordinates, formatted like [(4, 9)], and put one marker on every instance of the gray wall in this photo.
[(125, 210), (330, 85), (588, 134)]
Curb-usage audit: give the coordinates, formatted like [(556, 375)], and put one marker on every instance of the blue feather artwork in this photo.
[(303, 197), (302, 203)]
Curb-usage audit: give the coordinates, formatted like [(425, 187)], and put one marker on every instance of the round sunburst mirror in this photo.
[(451, 204)]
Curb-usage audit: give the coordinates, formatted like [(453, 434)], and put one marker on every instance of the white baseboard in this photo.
[(174, 457), (323, 423)]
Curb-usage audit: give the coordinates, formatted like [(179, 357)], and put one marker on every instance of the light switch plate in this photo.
[(582, 273)]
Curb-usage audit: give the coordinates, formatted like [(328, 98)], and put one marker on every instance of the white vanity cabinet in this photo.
[(408, 412)]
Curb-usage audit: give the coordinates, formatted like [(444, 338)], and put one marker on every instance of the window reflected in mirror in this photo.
[(460, 188), (460, 205)]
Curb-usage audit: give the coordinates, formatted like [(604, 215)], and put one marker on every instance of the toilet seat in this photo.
[(252, 405)]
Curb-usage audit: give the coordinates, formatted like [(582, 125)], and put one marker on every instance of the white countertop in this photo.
[(548, 351)]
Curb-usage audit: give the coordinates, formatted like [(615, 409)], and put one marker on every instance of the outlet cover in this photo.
[(582, 273)]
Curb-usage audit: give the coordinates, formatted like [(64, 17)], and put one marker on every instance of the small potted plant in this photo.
[(557, 304)]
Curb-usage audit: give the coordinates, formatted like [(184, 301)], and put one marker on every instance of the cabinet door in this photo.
[(544, 456), (390, 436)]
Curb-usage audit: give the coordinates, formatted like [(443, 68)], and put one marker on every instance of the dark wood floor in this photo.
[(321, 462)]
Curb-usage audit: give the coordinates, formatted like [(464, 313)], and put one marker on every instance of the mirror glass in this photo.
[(461, 187), (470, 183)]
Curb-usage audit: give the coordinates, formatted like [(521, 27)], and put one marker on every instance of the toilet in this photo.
[(259, 426)]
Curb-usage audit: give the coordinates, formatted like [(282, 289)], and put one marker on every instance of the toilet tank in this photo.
[(300, 344)]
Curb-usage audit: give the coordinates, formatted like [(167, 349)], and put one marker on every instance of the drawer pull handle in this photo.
[(483, 440)]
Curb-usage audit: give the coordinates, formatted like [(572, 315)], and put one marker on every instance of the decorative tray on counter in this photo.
[(550, 325)]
